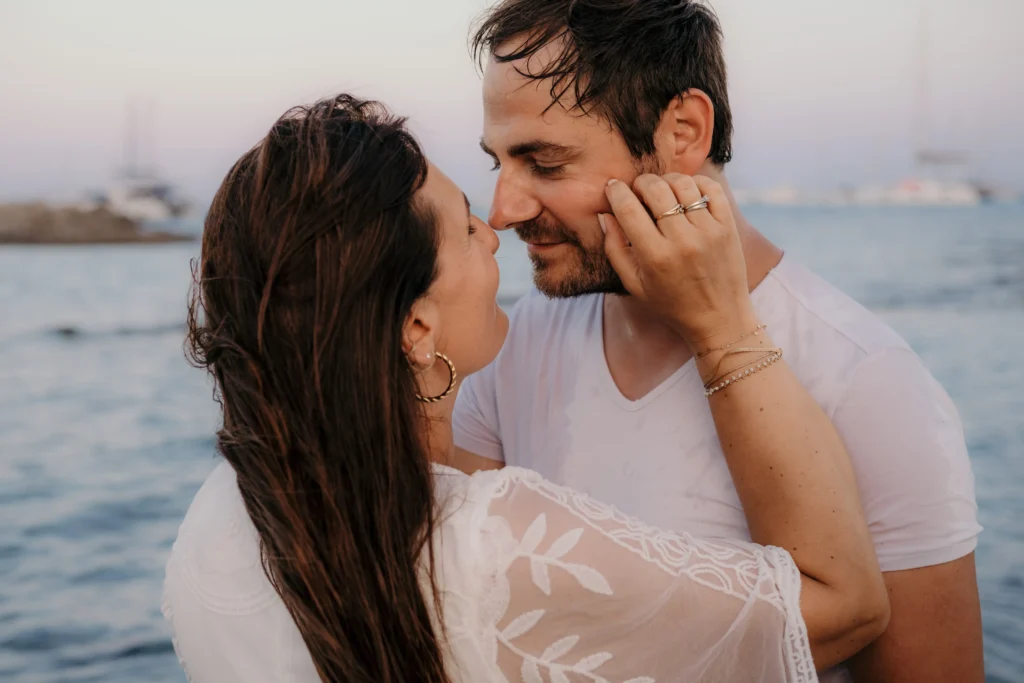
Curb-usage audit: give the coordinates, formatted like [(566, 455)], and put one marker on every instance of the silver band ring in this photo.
[(701, 203)]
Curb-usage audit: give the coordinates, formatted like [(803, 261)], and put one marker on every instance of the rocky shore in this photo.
[(39, 223)]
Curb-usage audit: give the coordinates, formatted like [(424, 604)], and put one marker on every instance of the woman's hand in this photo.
[(688, 268)]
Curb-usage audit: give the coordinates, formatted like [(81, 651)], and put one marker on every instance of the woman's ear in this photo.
[(419, 333)]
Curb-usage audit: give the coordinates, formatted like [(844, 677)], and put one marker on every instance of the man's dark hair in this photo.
[(625, 60)]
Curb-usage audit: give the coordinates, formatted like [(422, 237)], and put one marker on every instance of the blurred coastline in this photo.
[(40, 223)]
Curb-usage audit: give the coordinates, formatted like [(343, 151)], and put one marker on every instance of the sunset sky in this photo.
[(823, 92)]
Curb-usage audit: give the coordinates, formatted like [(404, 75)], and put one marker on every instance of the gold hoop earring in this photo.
[(451, 381)]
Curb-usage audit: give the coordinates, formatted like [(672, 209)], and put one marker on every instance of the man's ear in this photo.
[(686, 131), (419, 332)]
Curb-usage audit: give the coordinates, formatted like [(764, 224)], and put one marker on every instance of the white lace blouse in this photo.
[(538, 583)]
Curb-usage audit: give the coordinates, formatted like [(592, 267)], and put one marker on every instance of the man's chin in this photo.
[(558, 282)]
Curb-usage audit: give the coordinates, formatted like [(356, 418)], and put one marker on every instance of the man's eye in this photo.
[(546, 170), (497, 165)]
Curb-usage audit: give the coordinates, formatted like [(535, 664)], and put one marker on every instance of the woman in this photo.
[(343, 286)]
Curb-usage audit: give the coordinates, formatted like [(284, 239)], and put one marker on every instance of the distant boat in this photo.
[(919, 192), (940, 178), (933, 186), (139, 193), (141, 198), (941, 174)]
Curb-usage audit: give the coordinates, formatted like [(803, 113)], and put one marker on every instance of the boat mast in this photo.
[(130, 144), (926, 156)]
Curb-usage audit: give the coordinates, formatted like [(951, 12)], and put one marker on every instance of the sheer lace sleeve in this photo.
[(577, 591)]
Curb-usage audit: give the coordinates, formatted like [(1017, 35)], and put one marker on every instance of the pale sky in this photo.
[(822, 91)]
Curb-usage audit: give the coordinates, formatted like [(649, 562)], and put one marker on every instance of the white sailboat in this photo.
[(142, 198), (940, 173), (138, 192)]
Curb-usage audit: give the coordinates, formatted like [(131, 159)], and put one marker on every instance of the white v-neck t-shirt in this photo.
[(548, 403)]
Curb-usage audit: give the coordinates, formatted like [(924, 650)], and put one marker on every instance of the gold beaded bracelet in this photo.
[(771, 359), (764, 354), (764, 350)]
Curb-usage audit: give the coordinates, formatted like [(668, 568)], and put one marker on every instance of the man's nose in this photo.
[(513, 203)]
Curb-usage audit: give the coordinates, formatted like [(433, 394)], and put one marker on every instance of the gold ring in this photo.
[(674, 211), (701, 203)]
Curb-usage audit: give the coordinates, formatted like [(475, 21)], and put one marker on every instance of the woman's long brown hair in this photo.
[(313, 253)]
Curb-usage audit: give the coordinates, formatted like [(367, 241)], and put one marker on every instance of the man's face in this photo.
[(554, 167)]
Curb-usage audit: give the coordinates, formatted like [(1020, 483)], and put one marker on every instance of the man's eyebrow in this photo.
[(469, 211), (541, 147), (534, 147)]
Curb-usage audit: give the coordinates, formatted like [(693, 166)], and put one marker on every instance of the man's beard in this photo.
[(584, 271)]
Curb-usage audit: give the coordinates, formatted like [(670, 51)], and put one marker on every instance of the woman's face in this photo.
[(459, 316)]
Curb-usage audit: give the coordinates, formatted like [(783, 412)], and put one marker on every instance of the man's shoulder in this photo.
[(827, 336), (821, 312)]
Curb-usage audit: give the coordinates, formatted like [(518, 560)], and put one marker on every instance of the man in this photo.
[(595, 391)]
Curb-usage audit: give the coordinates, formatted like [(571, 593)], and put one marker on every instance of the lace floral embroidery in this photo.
[(724, 566), (541, 564)]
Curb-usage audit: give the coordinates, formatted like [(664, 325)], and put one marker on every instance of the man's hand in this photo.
[(688, 268), (934, 632)]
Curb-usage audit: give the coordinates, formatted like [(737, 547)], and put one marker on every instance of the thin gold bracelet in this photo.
[(757, 331)]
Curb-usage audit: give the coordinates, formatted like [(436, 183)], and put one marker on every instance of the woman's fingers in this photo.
[(687, 267), (686, 193), (620, 254), (718, 204), (659, 198), (689, 193), (632, 217), (683, 187)]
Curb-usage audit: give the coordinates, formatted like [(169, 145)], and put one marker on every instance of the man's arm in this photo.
[(934, 631), (907, 445)]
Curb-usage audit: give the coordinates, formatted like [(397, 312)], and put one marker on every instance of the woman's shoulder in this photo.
[(228, 622), (479, 488), (217, 553)]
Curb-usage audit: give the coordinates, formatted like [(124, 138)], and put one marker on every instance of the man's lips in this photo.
[(542, 247)]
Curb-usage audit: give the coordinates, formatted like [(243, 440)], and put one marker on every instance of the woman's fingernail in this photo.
[(613, 180), (600, 219)]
